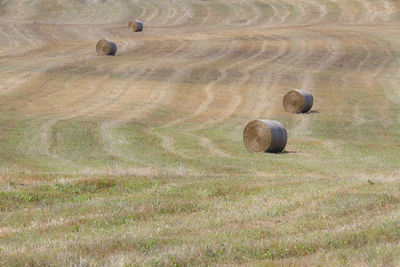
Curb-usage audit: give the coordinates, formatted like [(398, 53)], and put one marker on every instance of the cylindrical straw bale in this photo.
[(265, 136), (106, 48), (136, 26), (298, 101)]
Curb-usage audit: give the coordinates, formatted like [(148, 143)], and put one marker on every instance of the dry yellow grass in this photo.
[(139, 159)]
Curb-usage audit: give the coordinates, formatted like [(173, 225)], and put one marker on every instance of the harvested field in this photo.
[(139, 158)]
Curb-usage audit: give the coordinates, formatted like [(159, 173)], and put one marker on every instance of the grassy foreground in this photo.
[(117, 220)]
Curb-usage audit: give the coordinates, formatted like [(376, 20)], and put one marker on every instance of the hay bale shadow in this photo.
[(285, 152), (310, 112)]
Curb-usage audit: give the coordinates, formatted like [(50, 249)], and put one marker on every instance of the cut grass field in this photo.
[(138, 159)]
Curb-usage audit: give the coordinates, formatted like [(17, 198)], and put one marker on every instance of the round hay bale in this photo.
[(265, 136), (106, 48), (136, 26), (298, 101)]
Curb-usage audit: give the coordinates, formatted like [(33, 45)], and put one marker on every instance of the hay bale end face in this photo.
[(106, 48), (298, 101), (265, 136), (136, 26)]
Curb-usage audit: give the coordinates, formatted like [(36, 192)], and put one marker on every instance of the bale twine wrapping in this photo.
[(298, 101), (265, 136), (136, 26), (106, 48)]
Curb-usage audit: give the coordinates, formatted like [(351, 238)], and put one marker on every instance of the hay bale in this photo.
[(136, 26), (265, 136), (106, 48), (298, 101)]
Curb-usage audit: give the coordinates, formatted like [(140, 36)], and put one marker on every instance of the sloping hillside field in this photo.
[(138, 158)]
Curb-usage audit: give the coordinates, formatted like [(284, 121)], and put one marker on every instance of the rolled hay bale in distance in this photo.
[(265, 136), (298, 101), (106, 48), (136, 26)]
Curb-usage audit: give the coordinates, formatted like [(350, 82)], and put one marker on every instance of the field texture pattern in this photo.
[(138, 159)]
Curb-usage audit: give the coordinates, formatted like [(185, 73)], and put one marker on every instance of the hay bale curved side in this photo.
[(265, 136), (136, 26), (298, 101), (106, 48)]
